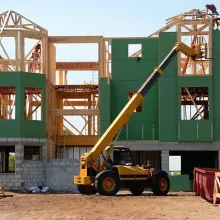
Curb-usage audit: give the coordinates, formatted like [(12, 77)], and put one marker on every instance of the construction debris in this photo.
[(38, 189)]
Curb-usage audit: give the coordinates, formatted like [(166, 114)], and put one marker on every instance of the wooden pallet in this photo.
[(2, 193)]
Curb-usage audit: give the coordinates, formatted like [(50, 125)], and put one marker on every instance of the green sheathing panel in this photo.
[(195, 130), (129, 75), (33, 128), (168, 113), (21, 127), (180, 183), (11, 128), (104, 85), (216, 87)]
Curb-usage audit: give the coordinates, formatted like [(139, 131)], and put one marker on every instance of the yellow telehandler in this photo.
[(101, 173)]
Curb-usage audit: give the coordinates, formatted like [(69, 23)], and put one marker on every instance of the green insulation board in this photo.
[(168, 114), (216, 87), (128, 74), (200, 130), (19, 127), (104, 85), (160, 118)]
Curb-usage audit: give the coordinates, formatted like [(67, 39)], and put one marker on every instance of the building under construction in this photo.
[(180, 115)]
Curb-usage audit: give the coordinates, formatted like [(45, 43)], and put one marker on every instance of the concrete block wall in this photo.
[(10, 181), (60, 173), (27, 172), (33, 174)]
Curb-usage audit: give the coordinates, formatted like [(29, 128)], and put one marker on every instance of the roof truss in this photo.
[(11, 20)]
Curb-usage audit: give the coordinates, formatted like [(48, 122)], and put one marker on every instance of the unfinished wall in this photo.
[(168, 113), (128, 75), (60, 173), (33, 174), (20, 126), (216, 87), (27, 172), (10, 181), (160, 118)]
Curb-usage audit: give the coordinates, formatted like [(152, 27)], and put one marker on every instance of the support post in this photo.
[(165, 160)]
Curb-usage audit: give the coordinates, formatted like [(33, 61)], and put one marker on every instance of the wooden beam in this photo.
[(77, 66), (52, 64), (33, 34), (60, 112), (74, 39), (190, 22), (79, 103), (6, 33), (33, 103), (21, 46), (61, 77), (101, 58), (195, 33), (77, 140), (74, 95)]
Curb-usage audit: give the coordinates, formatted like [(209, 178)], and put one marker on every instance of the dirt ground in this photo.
[(179, 206)]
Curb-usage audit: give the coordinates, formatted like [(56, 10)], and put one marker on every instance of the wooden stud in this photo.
[(52, 64), (87, 112)]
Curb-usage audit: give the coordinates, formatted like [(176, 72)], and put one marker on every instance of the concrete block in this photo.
[(17, 176), (14, 180), (10, 184), (6, 180), (19, 153)]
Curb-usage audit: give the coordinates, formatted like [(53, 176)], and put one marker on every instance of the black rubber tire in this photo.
[(137, 190), (155, 185), (102, 177), (86, 189)]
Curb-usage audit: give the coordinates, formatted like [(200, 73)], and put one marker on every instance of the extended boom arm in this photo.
[(123, 117)]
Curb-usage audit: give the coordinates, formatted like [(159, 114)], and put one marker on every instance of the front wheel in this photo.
[(160, 184), (107, 183)]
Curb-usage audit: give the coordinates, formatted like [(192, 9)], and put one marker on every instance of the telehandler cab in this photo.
[(104, 169)]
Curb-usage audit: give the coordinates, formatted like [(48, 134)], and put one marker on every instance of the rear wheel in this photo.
[(86, 189), (160, 184), (107, 183)]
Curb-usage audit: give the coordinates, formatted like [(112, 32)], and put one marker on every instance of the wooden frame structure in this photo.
[(73, 100), (216, 193), (65, 100), (17, 30)]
